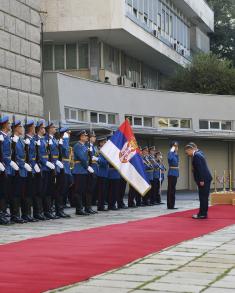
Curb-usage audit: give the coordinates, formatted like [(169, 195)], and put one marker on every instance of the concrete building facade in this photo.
[(20, 55)]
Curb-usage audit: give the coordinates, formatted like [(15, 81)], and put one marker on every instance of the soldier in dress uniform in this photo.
[(155, 164), (80, 171), (30, 158), (159, 177), (149, 173), (102, 177), (91, 196), (5, 168), (173, 174), (62, 175), (18, 197)]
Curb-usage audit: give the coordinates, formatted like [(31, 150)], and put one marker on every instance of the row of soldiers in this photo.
[(36, 174)]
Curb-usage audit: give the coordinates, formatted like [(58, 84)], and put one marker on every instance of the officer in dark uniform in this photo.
[(173, 174), (18, 196), (92, 177), (202, 177), (80, 171), (5, 168), (103, 173), (30, 158), (152, 159)]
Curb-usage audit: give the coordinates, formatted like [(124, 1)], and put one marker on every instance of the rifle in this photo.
[(26, 147), (1, 146), (13, 143), (60, 149)]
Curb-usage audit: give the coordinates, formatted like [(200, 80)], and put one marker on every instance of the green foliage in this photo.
[(223, 40), (207, 74)]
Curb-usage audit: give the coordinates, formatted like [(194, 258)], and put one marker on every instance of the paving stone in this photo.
[(200, 263), (202, 269), (124, 277), (90, 289), (225, 284), (185, 281), (218, 290), (113, 284), (172, 287), (193, 275)]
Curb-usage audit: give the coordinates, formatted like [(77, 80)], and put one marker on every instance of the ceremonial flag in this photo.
[(122, 151)]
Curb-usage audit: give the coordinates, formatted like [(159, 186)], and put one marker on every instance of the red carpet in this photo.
[(40, 264)]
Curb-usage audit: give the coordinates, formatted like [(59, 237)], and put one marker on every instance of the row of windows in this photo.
[(164, 20), (65, 56), (215, 125), (145, 121)]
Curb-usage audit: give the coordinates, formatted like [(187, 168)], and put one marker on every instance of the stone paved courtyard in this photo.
[(205, 264)]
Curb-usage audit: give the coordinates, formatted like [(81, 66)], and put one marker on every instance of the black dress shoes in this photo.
[(18, 220), (63, 215), (28, 218), (4, 221), (199, 217), (81, 213), (40, 217), (90, 211), (172, 208), (102, 209)]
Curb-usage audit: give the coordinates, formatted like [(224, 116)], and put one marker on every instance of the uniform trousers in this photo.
[(171, 190)]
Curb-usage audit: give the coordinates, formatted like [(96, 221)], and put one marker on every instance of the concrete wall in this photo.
[(20, 57)]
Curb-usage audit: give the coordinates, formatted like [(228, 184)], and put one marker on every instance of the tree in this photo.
[(223, 40), (206, 74)]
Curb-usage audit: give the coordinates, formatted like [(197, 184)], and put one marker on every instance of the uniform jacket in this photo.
[(65, 156), (94, 152), (43, 153), (6, 150), (149, 169), (80, 159), (103, 167), (52, 145), (113, 173), (20, 157), (173, 161), (200, 169), (32, 152)]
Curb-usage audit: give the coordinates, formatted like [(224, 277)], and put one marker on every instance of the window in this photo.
[(163, 20), (74, 114), (215, 125), (83, 56), (129, 118), (102, 118), (226, 125), (174, 123), (59, 57), (105, 118), (94, 117), (148, 122), (111, 119), (71, 56), (167, 23), (138, 121), (48, 57), (203, 124)]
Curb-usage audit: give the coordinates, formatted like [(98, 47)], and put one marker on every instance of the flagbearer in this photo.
[(173, 174), (5, 168)]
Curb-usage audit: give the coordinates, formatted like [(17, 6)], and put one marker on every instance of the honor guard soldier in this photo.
[(92, 177), (63, 177), (159, 177), (54, 178), (5, 168), (149, 173), (80, 171), (173, 174), (18, 196), (155, 164), (103, 173), (48, 170), (114, 188), (30, 158)]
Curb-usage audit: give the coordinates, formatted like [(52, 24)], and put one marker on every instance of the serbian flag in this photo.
[(122, 151)]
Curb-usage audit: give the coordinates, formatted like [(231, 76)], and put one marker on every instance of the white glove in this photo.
[(14, 166), (27, 141), (50, 165), (90, 170), (1, 137), (50, 142), (2, 168), (173, 149), (59, 164), (94, 158), (38, 142), (90, 149), (61, 141), (37, 169), (15, 138), (66, 135), (27, 167)]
